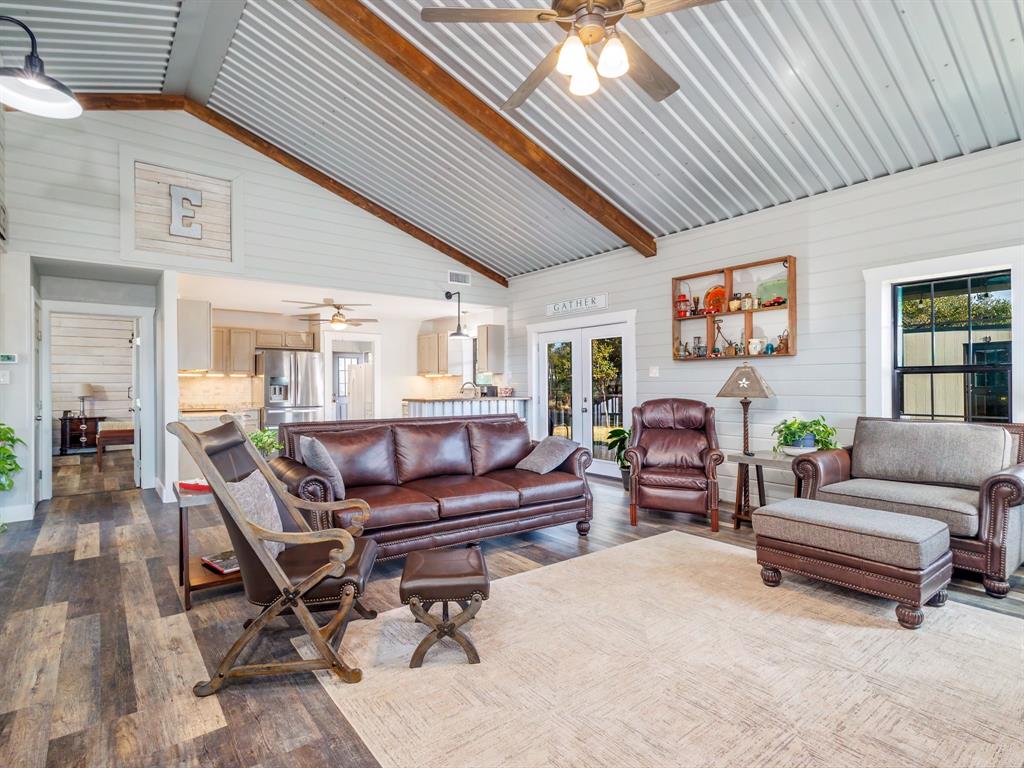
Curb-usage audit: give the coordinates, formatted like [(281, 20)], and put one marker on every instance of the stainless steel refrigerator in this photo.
[(293, 386)]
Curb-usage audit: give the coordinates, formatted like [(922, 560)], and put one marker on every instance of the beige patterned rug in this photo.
[(670, 652)]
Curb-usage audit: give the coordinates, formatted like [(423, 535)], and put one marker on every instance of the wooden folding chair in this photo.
[(318, 570)]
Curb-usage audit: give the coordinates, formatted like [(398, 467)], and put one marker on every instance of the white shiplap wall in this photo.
[(958, 206), (63, 198)]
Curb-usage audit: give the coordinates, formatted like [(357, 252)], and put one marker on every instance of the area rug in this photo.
[(669, 651)]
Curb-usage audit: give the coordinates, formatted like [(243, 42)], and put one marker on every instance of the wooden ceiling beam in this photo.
[(401, 54), (145, 101)]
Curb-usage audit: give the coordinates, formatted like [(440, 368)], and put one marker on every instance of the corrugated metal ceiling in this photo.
[(294, 78), (95, 45), (778, 100)]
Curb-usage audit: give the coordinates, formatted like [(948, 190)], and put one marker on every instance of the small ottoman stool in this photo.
[(443, 576), (902, 557)]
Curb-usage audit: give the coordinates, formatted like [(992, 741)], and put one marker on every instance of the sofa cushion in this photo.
[(674, 477), (882, 537), (537, 489), (391, 505), (673, 447), (363, 456), (956, 507), (929, 452), (498, 445), (317, 458), (548, 455), (466, 494), (429, 450)]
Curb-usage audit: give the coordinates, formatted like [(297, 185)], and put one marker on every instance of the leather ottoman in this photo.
[(443, 576), (900, 557)]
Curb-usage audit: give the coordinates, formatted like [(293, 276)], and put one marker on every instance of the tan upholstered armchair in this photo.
[(969, 476), (673, 459)]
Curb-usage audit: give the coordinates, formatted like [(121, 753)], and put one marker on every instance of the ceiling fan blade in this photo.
[(535, 78), (309, 304), (646, 72), (645, 9), (351, 320), (484, 15), (349, 306)]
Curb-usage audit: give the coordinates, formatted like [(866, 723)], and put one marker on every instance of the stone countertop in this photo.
[(459, 399)]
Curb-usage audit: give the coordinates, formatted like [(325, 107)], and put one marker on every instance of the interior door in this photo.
[(43, 431), (136, 406), (343, 363)]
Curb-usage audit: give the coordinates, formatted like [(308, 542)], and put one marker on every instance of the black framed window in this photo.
[(952, 349)]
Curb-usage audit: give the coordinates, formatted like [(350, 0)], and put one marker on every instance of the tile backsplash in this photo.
[(227, 392)]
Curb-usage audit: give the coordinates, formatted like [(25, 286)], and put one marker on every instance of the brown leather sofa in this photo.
[(966, 475), (439, 481), (673, 459)]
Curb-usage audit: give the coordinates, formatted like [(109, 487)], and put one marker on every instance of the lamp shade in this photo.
[(745, 381), (84, 390)]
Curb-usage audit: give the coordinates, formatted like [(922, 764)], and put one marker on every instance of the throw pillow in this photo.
[(316, 457), (257, 502), (548, 455)]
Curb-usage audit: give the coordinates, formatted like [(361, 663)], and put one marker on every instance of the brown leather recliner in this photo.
[(673, 459)]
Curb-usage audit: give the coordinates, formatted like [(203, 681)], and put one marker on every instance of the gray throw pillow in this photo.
[(548, 455), (257, 502), (316, 457)]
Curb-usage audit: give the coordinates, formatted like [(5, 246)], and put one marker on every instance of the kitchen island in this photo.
[(463, 406)]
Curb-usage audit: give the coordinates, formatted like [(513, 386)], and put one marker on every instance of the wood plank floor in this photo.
[(98, 657), (77, 473)]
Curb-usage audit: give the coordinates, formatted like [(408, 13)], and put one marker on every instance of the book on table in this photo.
[(223, 563), (196, 485)]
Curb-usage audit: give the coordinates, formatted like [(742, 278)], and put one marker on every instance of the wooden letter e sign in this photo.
[(180, 196)]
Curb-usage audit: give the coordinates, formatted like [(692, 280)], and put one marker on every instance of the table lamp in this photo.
[(83, 391), (746, 383)]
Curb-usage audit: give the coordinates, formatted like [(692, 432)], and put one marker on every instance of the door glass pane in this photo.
[(606, 393), (915, 330), (560, 389)]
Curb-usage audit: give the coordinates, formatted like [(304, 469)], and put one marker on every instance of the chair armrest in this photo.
[(821, 468), (355, 521), (711, 458), (300, 480), (337, 558), (635, 456), (577, 462)]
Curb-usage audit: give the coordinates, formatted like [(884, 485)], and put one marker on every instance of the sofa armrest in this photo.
[(635, 456), (821, 468), (577, 462), (300, 480), (711, 458), (998, 493)]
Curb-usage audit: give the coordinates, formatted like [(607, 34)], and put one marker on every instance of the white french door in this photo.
[(583, 387)]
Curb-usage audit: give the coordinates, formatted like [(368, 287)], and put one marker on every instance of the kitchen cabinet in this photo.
[(302, 340), (426, 355), (438, 354), (195, 335), (219, 361), (490, 349), (241, 352), (298, 340), (270, 339)]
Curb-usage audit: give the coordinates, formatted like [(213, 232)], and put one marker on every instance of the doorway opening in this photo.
[(352, 378), (93, 376), (585, 383)]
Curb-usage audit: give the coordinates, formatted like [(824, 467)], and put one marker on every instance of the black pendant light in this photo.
[(458, 333), (30, 89)]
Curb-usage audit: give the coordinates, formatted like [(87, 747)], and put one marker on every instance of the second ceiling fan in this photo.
[(586, 22), (338, 321)]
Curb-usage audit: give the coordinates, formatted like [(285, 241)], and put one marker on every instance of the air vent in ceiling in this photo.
[(458, 278)]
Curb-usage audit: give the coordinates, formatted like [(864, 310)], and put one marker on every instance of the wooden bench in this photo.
[(113, 433)]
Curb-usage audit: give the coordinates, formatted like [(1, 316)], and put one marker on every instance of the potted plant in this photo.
[(9, 465), (795, 436), (618, 441), (266, 442)]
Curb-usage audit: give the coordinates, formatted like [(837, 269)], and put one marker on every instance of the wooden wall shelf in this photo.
[(740, 278)]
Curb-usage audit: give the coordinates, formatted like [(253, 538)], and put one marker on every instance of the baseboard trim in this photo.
[(166, 494), (17, 513)]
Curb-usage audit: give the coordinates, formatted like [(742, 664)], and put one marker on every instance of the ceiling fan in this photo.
[(338, 321), (586, 23)]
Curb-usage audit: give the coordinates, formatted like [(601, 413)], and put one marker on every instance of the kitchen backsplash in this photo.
[(448, 386), (220, 392)]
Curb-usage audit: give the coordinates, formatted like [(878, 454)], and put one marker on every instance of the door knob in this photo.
[(39, 418), (583, 410)]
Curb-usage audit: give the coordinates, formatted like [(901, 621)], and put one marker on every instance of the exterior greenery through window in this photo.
[(952, 349)]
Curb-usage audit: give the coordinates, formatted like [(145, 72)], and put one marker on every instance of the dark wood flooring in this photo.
[(75, 474), (98, 657)]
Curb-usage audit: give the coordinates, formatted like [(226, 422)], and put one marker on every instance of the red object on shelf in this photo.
[(201, 487)]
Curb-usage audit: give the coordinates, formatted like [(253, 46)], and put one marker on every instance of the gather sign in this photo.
[(577, 304)]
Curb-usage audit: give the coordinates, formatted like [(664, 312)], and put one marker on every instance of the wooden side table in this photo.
[(77, 432), (759, 461), (192, 574)]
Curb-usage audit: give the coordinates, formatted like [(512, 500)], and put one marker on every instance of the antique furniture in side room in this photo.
[(905, 558), (969, 476), (437, 482), (316, 570), (444, 576), (112, 433), (77, 433), (673, 459), (192, 574), (746, 383)]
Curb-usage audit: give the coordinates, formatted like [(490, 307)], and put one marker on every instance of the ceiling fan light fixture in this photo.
[(29, 89), (573, 55), (338, 322), (585, 81), (613, 61)]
